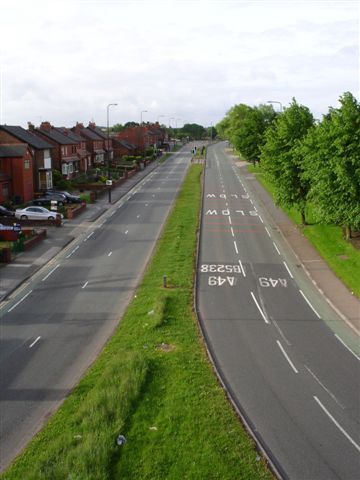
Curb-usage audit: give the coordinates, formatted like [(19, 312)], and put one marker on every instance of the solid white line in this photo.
[(236, 248), (276, 248), (73, 251), (337, 424), (229, 219), (287, 268), (16, 304), (232, 231), (109, 254), (287, 357), (323, 386), (52, 271), (90, 235), (252, 203), (242, 268), (84, 284), (307, 301), (267, 231), (340, 340), (38, 338), (258, 306), (138, 216), (261, 219)]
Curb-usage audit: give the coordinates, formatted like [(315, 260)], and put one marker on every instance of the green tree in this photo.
[(331, 153), (194, 131), (118, 127), (282, 159)]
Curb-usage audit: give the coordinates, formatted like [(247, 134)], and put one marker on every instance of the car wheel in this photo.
[(51, 218), (23, 217)]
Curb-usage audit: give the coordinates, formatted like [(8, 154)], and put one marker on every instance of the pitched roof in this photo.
[(90, 134), (56, 135), (98, 131), (12, 150), (26, 136), (69, 133)]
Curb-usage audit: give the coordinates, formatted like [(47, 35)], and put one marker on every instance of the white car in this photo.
[(37, 213)]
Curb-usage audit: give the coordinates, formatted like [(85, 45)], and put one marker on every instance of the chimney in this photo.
[(45, 126), (31, 126), (92, 125)]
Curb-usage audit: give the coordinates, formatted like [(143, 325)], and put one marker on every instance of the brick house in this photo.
[(94, 143), (64, 153), (16, 173), (122, 147), (40, 150), (143, 136), (83, 154)]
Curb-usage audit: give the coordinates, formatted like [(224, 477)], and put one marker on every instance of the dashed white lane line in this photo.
[(101, 225), (267, 231), (109, 254), (35, 341), (262, 221), (52, 271), (229, 219), (276, 248), (259, 308), (323, 386), (287, 268), (242, 268), (21, 300), (90, 235), (146, 204), (236, 248), (307, 301), (337, 424), (353, 353), (232, 231), (286, 356), (126, 232), (72, 251), (85, 284), (137, 216)]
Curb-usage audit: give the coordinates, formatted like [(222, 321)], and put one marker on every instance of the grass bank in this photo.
[(153, 384), (340, 255)]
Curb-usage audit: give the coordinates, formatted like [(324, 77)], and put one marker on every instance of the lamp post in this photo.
[(142, 111), (274, 101), (159, 116), (108, 146)]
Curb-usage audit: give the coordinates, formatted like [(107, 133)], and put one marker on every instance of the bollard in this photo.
[(165, 281)]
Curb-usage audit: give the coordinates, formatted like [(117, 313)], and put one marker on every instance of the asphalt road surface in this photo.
[(273, 339), (55, 326)]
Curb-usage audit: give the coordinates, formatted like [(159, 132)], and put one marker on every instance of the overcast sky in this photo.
[(64, 61)]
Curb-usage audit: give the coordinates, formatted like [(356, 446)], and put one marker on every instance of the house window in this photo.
[(45, 180), (26, 164), (63, 151), (70, 168), (64, 169), (73, 149)]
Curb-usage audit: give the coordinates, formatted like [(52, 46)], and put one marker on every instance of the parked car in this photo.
[(70, 197), (37, 213), (5, 212), (50, 196)]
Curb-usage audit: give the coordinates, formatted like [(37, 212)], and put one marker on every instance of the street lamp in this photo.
[(143, 111), (274, 101), (171, 118), (159, 116), (177, 121), (108, 146)]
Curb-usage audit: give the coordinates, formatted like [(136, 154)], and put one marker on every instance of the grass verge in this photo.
[(153, 384), (328, 240)]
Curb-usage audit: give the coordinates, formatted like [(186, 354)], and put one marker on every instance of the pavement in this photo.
[(335, 292), (26, 264)]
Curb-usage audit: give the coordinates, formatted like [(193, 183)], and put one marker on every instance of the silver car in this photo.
[(37, 213)]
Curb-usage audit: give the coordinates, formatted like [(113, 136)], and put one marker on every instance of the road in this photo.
[(57, 323), (273, 339)]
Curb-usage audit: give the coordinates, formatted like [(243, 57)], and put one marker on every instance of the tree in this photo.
[(331, 153), (118, 127), (282, 157), (194, 131)]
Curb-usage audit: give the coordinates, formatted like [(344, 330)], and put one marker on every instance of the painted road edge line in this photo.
[(236, 248), (337, 424), (258, 306), (307, 301), (287, 357), (287, 268), (340, 340), (52, 271), (22, 299), (35, 341)]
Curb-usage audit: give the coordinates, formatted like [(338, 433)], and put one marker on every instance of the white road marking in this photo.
[(85, 284), (236, 248), (232, 231), (138, 216), (126, 232), (258, 306), (112, 213), (110, 253), (307, 301), (337, 424), (101, 225), (21, 300), (146, 204), (281, 333), (19, 265), (262, 221), (323, 386), (52, 271), (72, 251), (287, 357), (33, 343), (229, 219), (276, 248), (287, 268), (267, 231), (252, 203), (242, 268), (340, 340), (90, 235)]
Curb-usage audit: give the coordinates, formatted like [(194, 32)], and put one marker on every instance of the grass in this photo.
[(341, 256), (152, 383)]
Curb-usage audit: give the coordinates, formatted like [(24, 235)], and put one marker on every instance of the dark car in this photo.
[(5, 212), (49, 197), (70, 198)]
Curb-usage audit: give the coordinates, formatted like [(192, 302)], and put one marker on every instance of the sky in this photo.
[(65, 61)]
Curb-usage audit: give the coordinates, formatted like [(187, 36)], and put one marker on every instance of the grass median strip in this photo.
[(153, 384)]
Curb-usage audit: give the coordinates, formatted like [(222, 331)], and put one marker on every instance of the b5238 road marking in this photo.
[(220, 268)]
